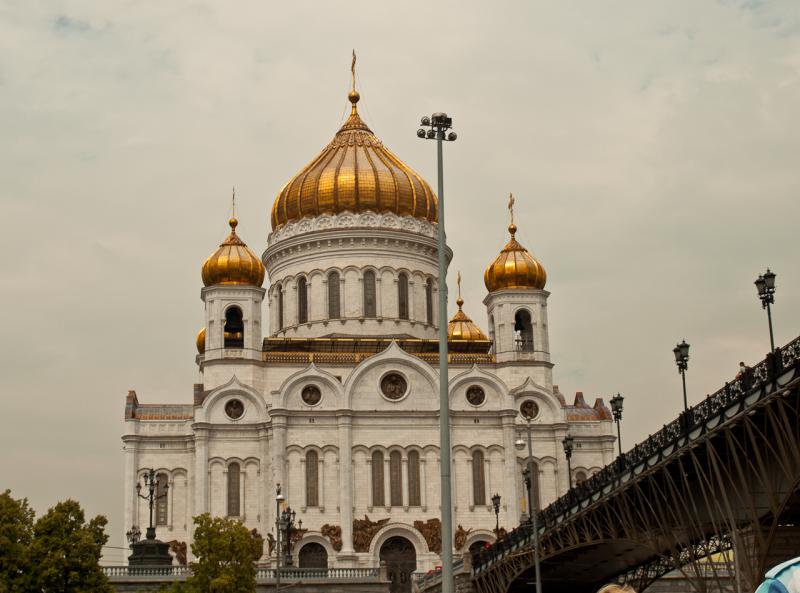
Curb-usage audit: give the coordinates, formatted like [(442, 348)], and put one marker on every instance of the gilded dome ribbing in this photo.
[(355, 173), (233, 263), (515, 267), (461, 327)]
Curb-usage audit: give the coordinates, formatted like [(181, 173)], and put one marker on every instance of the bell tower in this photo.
[(517, 307)]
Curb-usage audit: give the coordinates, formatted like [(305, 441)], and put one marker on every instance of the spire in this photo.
[(233, 222), (459, 300), (353, 96), (512, 228)]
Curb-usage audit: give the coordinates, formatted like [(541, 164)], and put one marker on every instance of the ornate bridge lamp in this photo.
[(279, 498), (133, 534), (150, 551), (616, 410), (286, 523), (568, 444), (765, 284), (681, 352), (496, 505), (529, 410), (439, 124)]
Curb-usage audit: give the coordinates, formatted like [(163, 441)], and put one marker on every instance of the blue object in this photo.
[(783, 578)]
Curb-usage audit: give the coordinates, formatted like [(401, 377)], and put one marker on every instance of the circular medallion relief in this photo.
[(529, 409), (311, 395), (394, 386), (234, 409), (476, 395)]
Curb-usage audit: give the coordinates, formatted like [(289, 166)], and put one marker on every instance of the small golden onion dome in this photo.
[(515, 267), (233, 263), (201, 340), (461, 327), (355, 172)]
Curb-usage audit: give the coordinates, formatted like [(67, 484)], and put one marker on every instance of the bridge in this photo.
[(717, 486)]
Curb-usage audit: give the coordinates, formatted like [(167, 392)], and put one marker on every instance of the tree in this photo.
[(225, 553), (65, 551), (16, 532)]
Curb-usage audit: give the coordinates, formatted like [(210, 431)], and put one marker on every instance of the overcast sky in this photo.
[(653, 148)]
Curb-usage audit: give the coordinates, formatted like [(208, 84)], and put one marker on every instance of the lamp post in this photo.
[(438, 124), (278, 501), (496, 505), (287, 523), (616, 410), (151, 496), (568, 443), (529, 411), (681, 352), (133, 535), (765, 284)]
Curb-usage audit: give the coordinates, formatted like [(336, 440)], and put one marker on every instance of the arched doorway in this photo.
[(313, 555), (401, 562), (477, 546)]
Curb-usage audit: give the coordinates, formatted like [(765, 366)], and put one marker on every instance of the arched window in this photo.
[(334, 301), (369, 294), (478, 481), (312, 481), (377, 479), (491, 331), (523, 331), (302, 301), (280, 307), (580, 477), (402, 296), (429, 301), (395, 479), (234, 328), (233, 490), (161, 501), (413, 479)]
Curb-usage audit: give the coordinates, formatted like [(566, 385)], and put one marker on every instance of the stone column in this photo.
[(423, 483), (345, 420), (404, 481), (201, 471), (264, 508), (510, 495), (279, 450)]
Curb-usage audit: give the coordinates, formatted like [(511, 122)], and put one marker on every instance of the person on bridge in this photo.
[(617, 589)]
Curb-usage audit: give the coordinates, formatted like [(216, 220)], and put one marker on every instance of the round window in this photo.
[(234, 409), (476, 395), (311, 395), (394, 386), (529, 409)]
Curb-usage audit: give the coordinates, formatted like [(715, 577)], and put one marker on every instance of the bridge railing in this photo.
[(689, 425), (262, 574)]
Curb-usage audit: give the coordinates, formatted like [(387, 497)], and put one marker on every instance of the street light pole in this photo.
[(616, 410), (765, 284), (151, 496), (681, 352), (532, 512), (438, 125), (568, 444), (278, 500), (496, 505)]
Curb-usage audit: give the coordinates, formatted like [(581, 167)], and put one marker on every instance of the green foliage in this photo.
[(16, 532), (226, 553), (65, 551)]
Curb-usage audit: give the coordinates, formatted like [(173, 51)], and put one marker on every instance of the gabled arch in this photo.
[(234, 387), (309, 374), (475, 374)]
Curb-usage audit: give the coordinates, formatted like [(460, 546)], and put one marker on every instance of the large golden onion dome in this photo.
[(354, 173), (233, 263), (200, 341), (515, 267), (461, 327)]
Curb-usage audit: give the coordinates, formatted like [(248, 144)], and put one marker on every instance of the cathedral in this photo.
[(332, 400)]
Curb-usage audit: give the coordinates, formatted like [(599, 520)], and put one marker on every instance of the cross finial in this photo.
[(233, 202), (458, 281), (511, 206), (353, 69)]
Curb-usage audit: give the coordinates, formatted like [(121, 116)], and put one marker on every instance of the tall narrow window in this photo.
[(312, 479), (233, 490), (395, 479), (478, 479), (429, 301), (280, 307), (369, 294), (377, 479), (234, 328), (302, 301), (334, 302), (161, 501), (402, 296), (523, 331), (413, 479)]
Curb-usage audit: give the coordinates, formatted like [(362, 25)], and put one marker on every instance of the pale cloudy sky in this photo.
[(653, 148)]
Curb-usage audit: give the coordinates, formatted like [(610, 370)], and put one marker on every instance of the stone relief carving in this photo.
[(431, 530), (363, 532), (353, 220), (297, 535), (334, 535), (254, 532), (461, 537), (270, 544)]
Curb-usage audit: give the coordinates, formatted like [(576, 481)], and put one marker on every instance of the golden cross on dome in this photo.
[(458, 281), (353, 69), (511, 206), (233, 202)]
